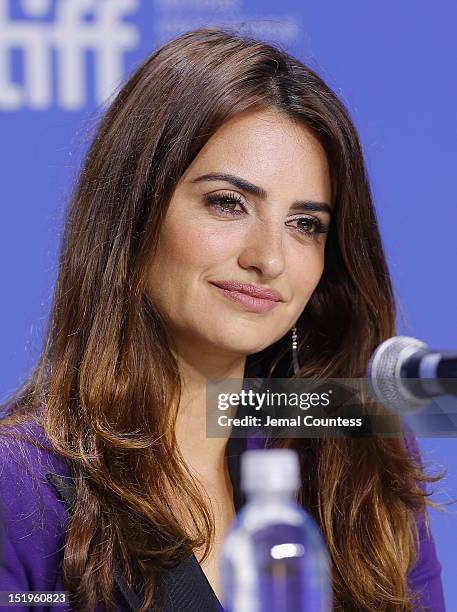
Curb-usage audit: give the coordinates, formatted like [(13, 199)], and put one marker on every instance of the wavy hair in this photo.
[(107, 378)]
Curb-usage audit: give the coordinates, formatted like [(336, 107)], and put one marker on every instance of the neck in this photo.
[(204, 455)]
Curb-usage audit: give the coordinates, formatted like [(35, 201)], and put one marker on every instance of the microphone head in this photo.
[(384, 374)]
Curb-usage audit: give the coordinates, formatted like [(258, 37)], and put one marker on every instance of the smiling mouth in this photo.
[(248, 302)]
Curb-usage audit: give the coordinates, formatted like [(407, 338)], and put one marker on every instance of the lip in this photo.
[(249, 297), (249, 289)]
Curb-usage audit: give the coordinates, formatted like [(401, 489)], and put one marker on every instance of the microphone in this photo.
[(404, 373)]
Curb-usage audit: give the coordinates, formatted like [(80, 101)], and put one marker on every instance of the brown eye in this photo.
[(309, 226), (225, 203)]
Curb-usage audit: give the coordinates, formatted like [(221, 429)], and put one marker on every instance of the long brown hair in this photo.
[(107, 379)]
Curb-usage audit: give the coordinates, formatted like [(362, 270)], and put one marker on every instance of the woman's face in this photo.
[(253, 208)]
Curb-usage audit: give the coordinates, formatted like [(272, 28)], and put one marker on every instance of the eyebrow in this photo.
[(241, 183)]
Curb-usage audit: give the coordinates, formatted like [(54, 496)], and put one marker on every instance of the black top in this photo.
[(185, 587)]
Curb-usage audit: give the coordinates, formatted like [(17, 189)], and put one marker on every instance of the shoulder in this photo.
[(425, 577), (33, 520), (25, 446)]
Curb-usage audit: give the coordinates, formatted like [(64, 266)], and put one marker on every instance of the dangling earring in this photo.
[(295, 350)]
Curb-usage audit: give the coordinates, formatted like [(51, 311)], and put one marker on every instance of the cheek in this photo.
[(305, 273), (191, 244)]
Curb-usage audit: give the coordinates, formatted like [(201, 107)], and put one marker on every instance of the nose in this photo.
[(264, 249)]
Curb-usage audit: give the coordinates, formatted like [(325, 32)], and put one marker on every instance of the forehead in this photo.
[(269, 149)]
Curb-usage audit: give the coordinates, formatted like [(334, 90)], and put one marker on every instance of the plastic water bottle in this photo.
[(274, 558)]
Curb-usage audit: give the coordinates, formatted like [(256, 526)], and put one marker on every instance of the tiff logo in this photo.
[(79, 26)]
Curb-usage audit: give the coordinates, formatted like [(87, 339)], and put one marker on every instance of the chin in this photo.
[(241, 344)]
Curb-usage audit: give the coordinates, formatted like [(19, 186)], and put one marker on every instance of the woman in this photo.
[(224, 167)]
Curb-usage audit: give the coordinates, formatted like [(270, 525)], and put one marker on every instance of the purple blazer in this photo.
[(34, 523)]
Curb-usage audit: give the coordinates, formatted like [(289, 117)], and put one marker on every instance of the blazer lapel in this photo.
[(234, 449), (184, 587)]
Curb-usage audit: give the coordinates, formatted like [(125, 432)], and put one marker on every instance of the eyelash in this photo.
[(222, 202)]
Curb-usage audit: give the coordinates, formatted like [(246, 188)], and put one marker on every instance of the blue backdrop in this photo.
[(392, 63)]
